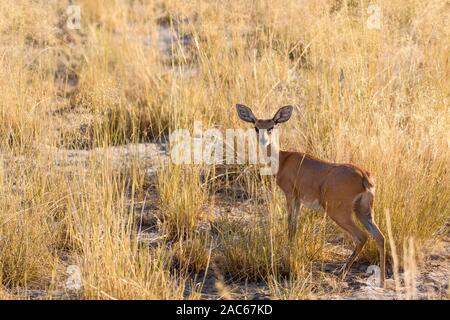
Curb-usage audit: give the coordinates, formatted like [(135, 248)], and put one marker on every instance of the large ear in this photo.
[(283, 114), (245, 113)]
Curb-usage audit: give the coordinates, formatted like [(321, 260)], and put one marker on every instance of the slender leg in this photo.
[(293, 206), (345, 221), (360, 241), (367, 220)]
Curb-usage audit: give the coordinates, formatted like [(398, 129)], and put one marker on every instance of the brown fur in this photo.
[(339, 189)]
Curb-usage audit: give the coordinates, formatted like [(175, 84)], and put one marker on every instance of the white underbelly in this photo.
[(313, 205)]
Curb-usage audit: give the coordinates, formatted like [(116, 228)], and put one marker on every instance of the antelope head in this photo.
[(264, 127)]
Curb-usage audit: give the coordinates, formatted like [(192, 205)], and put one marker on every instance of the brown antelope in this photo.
[(339, 189)]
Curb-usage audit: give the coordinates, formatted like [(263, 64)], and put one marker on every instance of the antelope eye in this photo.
[(257, 130), (269, 130)]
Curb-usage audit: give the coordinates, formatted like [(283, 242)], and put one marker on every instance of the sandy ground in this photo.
[(432, 278)]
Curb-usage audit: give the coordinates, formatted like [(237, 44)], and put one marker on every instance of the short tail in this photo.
[(368, 181), (363, 202)]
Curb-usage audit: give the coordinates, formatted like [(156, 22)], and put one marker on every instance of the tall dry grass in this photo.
[(378, 98)]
